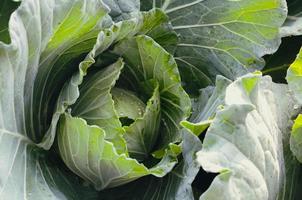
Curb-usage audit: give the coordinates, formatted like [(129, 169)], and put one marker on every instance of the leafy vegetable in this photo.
[(129, 99), (104, 159)]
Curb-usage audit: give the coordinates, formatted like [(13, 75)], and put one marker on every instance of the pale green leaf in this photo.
[(127, 104), (296, 138), (74, 35), (142, 134), (244, 144), (206, 105), (96, 106), (176, 185), (294, 77), (87, 153)]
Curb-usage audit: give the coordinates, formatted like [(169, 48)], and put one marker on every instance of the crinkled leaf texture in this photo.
[(222, 37), (247, 143), (122, 9)]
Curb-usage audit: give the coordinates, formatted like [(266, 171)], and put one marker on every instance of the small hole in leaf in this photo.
[(126, 121)]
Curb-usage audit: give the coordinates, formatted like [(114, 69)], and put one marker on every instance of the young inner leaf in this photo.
[(127, 105)]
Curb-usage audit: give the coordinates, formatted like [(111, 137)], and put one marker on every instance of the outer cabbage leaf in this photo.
[(247, 143), (222, 37), (30, 28), (74, 37)]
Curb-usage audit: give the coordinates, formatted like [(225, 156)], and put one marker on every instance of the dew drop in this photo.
[(296, 107)]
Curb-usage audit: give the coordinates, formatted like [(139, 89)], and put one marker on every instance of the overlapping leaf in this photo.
[(50, 38), (247, 143), (222, 37), (140, 53), (176, 185), (106, 163), (87, 153), (206, 105)]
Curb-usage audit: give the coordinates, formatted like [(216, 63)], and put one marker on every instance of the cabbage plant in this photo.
[(162, 99), (132, 105)]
